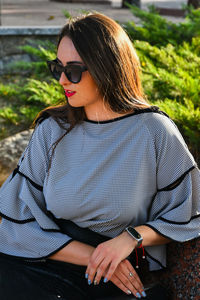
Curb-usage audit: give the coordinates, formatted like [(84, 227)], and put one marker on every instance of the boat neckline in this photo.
[(136, 112)]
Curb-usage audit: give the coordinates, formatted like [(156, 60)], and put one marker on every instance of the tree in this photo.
[(194, 3)]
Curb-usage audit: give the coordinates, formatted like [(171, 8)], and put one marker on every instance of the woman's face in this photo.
[(85, 93)]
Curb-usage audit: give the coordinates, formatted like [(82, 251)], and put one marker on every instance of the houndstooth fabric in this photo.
[(104, 176)]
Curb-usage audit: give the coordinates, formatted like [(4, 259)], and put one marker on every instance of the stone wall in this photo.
[(11, 38), (11, 149)]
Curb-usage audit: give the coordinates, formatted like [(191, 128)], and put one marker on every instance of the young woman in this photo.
[(104, 176)]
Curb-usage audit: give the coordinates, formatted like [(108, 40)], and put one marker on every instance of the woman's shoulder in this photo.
[(158, 123), (50, 124), (48, 130), (166, 137)]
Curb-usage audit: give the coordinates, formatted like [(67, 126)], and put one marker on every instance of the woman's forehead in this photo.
[(67, 52)]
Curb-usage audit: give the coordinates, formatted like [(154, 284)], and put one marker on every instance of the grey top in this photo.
[(104, 175)]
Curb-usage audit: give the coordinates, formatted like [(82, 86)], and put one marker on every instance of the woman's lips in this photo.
[(69, 93)]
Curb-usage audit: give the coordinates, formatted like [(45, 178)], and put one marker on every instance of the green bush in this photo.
[(159, 31), (30, 90)]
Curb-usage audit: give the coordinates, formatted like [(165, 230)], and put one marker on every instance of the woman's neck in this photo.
[(102, 113)]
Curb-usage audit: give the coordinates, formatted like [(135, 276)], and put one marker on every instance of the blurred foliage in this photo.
[(66, 14), (170, 58), (29, 90), (159, 31)]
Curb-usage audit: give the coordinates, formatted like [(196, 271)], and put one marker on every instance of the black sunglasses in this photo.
[(73, 72)]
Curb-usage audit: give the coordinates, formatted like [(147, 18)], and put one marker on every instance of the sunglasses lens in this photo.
[(73, 73), (56, 70)]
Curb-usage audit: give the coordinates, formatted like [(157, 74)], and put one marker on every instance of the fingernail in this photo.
[(89, 281), (105, 280), (86, 276), (138, 295), (95, 282), (144, 294), (128, 292)]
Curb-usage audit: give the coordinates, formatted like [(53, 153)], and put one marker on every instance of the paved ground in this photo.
[(49, 13)]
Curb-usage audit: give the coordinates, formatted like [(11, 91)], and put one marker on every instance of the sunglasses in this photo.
[(72, 72)]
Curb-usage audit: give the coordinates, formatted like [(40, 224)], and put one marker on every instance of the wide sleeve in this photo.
[(27, 229), (175, 209)]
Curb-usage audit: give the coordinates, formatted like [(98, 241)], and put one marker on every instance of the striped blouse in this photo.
[(131, 170)]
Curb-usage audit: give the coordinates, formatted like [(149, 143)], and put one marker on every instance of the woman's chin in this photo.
[(73, 103)]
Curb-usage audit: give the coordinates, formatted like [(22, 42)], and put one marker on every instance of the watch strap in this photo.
[(135, 235)]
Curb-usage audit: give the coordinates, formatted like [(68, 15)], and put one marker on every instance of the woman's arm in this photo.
[(75, 253), (79, 253), (151, 237)]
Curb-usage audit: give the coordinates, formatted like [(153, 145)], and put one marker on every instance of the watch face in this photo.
[(134, 233)]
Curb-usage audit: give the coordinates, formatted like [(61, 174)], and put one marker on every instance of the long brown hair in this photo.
[(111, 59)]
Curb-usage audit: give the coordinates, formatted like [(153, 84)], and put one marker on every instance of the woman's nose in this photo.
[(63, 79)]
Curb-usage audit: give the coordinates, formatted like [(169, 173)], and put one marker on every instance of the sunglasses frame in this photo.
[(64, 69)]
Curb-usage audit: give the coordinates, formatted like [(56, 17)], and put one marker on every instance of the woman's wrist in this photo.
[(129, 239)]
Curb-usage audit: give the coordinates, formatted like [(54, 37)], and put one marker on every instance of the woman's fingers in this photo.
[(111, 269), (106, 269), (99, 263), (107, 256), (101, 271), (128, 280), (92, 268), (126, 286), (104, 258), (121, 285), (132, 274)]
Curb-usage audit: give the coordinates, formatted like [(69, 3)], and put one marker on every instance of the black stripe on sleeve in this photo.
[(154, 259), (179, 223), (15, 171), (174, 184), (17, 221), (28, 221), (37, 186)]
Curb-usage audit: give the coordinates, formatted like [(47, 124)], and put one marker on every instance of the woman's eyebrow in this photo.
[(74, 62), (70, 62)]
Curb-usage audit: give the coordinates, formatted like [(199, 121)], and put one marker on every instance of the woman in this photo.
[(103, 175)]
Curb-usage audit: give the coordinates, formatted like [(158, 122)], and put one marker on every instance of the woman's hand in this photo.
[(107, 256), (126, 278)]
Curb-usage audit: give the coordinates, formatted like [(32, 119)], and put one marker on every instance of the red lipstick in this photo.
[(69, 93)]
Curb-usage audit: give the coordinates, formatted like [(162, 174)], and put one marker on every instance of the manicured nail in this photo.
[(95, 282), (89, 281), (144, 294), (105, 280), (86, 276), (128, 292), (138, 295)]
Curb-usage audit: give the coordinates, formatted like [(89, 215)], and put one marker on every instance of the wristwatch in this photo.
[(135, 234)]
